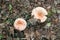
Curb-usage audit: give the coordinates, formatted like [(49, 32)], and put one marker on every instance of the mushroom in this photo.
[(39, 13), (20, 24)]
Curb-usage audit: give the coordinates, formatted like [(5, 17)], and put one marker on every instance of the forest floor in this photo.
[(12, 9)]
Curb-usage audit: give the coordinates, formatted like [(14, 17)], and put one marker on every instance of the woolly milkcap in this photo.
[(20, 24), (39, 13)]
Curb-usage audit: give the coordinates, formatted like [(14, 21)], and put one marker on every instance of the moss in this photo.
[(1, 36), (10, 8)]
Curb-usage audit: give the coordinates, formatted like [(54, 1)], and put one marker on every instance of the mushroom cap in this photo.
[(40, 9), (20, 24), (39, 13)]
